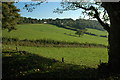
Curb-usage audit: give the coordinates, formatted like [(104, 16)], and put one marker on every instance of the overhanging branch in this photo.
[(96, 15)]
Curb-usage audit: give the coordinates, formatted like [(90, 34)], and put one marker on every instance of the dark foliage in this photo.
[(10, 16)]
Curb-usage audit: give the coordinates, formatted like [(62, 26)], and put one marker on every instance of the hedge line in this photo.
[(48, 43)]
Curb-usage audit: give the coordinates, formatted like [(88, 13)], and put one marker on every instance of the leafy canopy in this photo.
[(92, 9), (9, 16)]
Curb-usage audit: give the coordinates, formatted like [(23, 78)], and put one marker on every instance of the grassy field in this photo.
[(98, 32), (79, 56), (47, 31), (37, 62)]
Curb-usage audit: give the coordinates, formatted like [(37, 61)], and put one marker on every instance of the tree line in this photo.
[(64, 23)]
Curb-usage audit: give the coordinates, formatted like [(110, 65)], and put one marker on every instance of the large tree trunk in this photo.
[(113, 10)]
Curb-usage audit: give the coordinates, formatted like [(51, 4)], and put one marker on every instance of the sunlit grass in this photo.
[(47, 31), (98, 32), (80, 56)]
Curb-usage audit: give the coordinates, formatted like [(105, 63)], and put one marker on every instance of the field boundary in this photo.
[(48, 43)]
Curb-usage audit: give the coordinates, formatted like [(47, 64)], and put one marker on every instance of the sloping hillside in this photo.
[(51, 32)]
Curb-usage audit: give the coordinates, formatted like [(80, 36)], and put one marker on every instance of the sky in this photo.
[(45, 11)]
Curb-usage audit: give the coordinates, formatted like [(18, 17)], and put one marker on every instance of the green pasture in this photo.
[(98, 32), (51, 32), (81, 56)]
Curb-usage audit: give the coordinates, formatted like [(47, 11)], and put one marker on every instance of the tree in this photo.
[(80, 32), (9, 16), (111, 12)]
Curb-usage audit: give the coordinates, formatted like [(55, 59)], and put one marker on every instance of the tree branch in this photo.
[(96, 15)]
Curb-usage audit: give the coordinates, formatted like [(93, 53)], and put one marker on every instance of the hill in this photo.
[(51, 32)]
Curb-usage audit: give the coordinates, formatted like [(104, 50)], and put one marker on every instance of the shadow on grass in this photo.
[(21, 64)]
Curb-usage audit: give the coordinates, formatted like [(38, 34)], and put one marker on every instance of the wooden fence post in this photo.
[(62, 59)]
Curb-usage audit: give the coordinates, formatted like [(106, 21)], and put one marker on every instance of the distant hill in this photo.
[(64, 23), (91, 24)]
